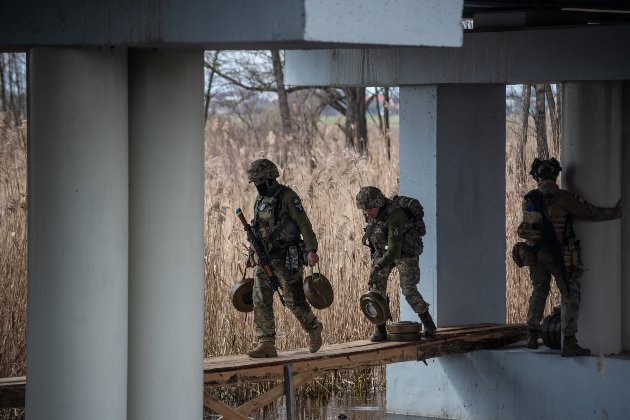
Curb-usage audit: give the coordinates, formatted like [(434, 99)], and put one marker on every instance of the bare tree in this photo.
[(522, 144), (356, 124), (553, 117), (283, 98), (214, 58), (540, 120)]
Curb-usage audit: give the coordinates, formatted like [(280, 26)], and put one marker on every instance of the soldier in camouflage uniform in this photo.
[(394, 243), (559, 207), (279, 221)]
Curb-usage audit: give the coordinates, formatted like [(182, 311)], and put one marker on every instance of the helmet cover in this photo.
[(370, 198), (261, 170), (547, 169)]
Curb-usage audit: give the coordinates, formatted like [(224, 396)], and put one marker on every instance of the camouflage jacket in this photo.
[(562, 205), (390, 237)]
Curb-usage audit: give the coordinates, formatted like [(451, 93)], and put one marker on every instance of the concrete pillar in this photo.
[(591, 162), (452, 148), (166, 250), (77, 234), (625, 222), (452, 157)]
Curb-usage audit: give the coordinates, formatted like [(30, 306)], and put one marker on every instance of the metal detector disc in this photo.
[(375, 307), (242, 295)]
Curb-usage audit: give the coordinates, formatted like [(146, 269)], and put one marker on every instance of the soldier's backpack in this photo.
[(414, 211)]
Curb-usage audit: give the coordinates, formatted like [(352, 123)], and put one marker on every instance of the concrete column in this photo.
[(452, 148), (166, 234), (77, 234), (625, 221), (591, 162), (452, 157)]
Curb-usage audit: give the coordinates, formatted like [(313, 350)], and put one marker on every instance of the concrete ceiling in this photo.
[(234, 24)]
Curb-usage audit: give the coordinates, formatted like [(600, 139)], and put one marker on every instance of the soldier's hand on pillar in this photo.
[(312, 258), (619, 209)]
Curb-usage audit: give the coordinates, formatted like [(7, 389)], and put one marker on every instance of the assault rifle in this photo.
[(259, 249)]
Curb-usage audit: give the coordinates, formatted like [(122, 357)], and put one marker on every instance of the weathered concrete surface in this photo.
[(586, 53), (235, 24), (511, 384)]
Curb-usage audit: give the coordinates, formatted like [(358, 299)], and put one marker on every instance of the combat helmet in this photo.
[(370, 198), (261, 170), (547, 169)]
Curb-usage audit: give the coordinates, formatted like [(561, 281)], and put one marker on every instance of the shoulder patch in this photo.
[(395, 231), (297, 203)]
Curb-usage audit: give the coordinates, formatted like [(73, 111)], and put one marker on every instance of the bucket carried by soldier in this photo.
[(318, 290)]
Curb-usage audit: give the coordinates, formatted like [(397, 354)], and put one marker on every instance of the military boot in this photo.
[(380, 333), (264, 349), (429, 325), (532, 339), (315, 337), (570, 348)]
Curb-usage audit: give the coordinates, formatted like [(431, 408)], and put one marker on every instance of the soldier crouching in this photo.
[(394, 242)]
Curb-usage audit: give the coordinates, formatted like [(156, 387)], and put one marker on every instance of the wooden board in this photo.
[(234, 370), (12, 392), (239, 369)]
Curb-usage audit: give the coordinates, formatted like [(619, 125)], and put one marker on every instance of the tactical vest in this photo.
[(277, 231), (376, 233), (536, 213)]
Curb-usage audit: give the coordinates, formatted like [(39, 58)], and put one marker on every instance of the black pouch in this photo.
[(523, 255)]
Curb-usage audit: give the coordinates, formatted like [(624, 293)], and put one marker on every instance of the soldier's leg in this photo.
[(264, 322), (540, 277), (570, 306), (569, 311), (378, 283), (262, 296), (409, 269), (292, 282)]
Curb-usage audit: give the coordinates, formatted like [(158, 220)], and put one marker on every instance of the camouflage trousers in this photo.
[(409, 270), (540, 275), (291, 285)]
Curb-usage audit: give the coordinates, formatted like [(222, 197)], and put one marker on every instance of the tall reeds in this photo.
[(12, 248)]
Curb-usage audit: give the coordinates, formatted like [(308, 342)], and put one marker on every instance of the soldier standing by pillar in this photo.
[(394, 242), (548, 229), (279, 222)]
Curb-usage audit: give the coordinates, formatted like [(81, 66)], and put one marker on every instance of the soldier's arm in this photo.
[(578, 207), (395, 228), (298, 214)]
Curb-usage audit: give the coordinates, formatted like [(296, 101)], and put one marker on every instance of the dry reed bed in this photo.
[(12, 249)]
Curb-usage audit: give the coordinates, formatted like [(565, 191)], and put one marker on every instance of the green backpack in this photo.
[(414, 211)]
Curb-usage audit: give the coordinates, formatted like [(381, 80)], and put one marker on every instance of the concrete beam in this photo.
[(237, 24), (585, 53)]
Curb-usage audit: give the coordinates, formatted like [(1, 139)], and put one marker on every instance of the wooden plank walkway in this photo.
[(302, 365), (234, 370)]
